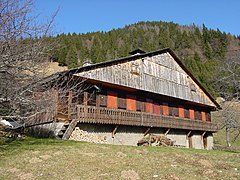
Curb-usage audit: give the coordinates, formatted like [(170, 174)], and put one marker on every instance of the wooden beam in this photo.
[(203, 134), (70, 129), (188, 134), (167, 132), (146, 132), (114, 131)]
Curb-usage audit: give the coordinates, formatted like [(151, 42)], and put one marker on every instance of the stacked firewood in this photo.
[(155, 140), (80, 135)]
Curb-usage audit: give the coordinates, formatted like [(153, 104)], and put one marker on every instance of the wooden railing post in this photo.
[(85, 100), (70, 94)]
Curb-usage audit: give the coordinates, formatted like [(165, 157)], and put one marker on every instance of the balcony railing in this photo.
[(101, 115)]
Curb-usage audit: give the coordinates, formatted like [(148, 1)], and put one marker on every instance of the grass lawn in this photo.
[(57, 159)]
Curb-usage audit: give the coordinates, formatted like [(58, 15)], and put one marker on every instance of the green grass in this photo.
[(57, 159)]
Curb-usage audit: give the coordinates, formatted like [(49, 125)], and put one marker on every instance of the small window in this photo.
[(103, 100), (198, 115), (139, 105), (175, 112), (122, 102), (208, 116), (186, 113), (92, 99)]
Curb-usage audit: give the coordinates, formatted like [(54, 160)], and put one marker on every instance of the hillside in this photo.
[(201, 49), (58, 159)]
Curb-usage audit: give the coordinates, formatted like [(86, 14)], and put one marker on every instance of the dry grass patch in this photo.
[(56, 159)]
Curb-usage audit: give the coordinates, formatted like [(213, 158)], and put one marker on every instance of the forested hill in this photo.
[(201, 49)]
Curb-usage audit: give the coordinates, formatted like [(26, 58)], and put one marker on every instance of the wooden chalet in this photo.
[(143, 93)]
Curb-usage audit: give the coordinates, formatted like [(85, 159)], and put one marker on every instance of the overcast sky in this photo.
[(83, 16)]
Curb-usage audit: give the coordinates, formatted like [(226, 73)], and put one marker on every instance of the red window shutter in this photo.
[(203, 116), (112, 99), (191, 114), (131, 102), (181, 112), (156, 108), (149, 105)]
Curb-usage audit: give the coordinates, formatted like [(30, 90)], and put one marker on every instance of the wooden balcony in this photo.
[(101, 115)]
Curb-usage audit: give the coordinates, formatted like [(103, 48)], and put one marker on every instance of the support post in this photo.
[(70, 95)]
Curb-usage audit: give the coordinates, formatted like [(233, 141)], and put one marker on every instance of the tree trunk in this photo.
[(227, 137)]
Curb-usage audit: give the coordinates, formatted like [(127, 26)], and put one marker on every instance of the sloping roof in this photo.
[(139, 56)]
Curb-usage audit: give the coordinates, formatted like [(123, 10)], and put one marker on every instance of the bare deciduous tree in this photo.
[(229, 86), (24, 49)]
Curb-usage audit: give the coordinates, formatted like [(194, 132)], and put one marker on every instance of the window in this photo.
[(122, 102), (139, 105), (186, 113), (103, 100), (92, 99), (208, 116), (175, 111), (197, 115)]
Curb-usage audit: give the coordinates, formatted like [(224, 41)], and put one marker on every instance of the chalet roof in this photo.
[(139, 56)]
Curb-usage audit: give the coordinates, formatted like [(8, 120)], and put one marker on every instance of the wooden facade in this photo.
[(150, 89)]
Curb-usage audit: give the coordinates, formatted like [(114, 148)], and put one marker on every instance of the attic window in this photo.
[(193, 87)]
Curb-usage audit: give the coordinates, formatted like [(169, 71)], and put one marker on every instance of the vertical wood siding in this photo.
[(159, 74)]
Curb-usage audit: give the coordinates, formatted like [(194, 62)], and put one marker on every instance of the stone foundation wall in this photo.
[(129, 135)]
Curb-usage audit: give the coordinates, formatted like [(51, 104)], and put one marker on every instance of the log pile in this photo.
[(155, 140), (80, 135)]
